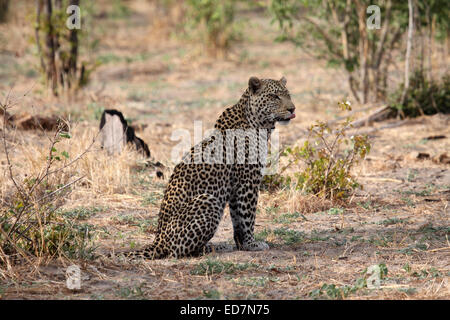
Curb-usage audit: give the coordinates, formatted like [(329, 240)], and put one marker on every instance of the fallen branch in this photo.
[(380, 114), (386, 126), (439, 249), (354, 112), (382, 179)]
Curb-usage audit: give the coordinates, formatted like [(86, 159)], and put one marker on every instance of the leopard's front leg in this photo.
[(243, 202)]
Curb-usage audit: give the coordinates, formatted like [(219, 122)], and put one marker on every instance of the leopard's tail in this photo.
[(150, 252)]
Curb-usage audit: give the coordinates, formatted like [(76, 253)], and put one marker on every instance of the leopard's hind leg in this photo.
[(187, 232), (190, 230)]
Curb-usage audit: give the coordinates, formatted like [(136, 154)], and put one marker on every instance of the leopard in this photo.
[(199, 189)]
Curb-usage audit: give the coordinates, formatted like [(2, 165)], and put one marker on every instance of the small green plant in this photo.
[(335, 211), (425, 273), (211, 294), (338, 292), (288, 236), (288, 218), (213, 266), (328, 155), (135, 293), (152, 198), (331, 291), (81, 213), (407, 267), (391, 221)]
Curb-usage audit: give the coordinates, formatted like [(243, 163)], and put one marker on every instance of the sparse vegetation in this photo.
[(424, 97), (30, 223), (329, 155), (214, 266)]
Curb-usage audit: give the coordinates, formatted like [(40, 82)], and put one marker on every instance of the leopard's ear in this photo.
[(254, 84), (283, 81)]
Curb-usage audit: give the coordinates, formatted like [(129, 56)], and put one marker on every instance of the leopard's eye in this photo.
[(275, 96)]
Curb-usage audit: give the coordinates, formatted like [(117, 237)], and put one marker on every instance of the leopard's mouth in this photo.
[(286, 119)]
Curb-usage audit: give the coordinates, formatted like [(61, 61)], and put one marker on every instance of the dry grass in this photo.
[(102, 174), (400, 218)]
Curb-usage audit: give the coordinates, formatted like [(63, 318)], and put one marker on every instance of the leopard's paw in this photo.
[(256, 246)]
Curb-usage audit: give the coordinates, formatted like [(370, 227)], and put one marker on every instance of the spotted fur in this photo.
[(197, 193)]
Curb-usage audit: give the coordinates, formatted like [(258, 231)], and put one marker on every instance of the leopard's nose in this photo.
[(291, 108)]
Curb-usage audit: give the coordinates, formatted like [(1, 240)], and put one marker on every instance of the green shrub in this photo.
[(31, 223), (328, 156), (423, 97)]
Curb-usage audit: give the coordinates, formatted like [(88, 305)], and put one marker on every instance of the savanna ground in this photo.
[(400, 218)]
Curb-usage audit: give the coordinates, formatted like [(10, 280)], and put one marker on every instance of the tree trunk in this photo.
[(4, 7), (59, 51), (73, 39), (52, 75), (37, 28), (363, 51), (408, 49)]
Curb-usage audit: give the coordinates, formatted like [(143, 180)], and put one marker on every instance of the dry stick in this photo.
[(11, 176), (49, 162), (54, 141), (7, 105), (5, 258), (76, 158), (61, 188), (46, 196), (25, 197), (57, 170), (439, 249), (28, 195), (47, 173), (37, 182)]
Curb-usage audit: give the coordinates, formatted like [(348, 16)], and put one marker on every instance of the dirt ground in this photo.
[(400, 218)]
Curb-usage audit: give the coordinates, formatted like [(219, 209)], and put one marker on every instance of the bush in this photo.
[(30, 222), (423, 97), (216, 20), (328, 156)]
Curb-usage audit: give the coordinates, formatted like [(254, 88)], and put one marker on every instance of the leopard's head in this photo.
[(270, 102)]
